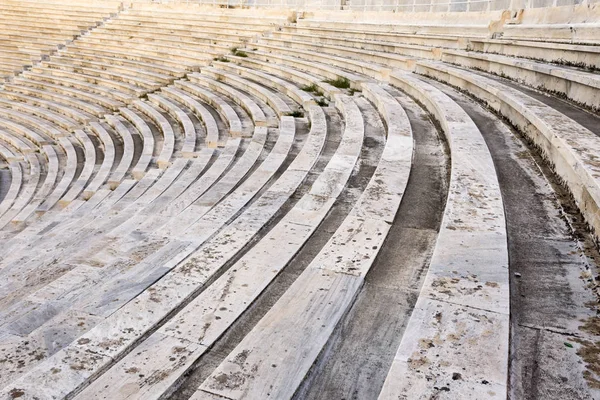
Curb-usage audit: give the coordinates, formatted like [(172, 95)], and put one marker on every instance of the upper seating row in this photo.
[(33, 29), (568, 24), (365, 50)]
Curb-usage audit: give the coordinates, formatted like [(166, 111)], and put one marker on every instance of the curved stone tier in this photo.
[(207, 203)]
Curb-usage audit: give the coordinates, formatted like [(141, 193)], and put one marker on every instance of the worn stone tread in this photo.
[(463, 306)]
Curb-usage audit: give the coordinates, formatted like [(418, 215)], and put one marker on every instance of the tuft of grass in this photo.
[(352, 91), (221, 58), (322, 102), (296, 114), (341, 82), (237, 52), (312, 88)]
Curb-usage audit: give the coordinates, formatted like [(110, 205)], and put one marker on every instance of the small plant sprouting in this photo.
[(221, 58), (322, 102), (341, 82), (309, 88), (237, 52), (313, 88), (296, 114)]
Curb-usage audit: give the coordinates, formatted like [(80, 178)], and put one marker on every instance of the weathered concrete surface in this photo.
[(568, 146), (370, 153), (555, 330), (553, 301), (585, 118), (4, 182), (356, 361), (300, 323), (578, 85), (460, 323)]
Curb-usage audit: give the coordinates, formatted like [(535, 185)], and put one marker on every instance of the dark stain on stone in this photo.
[(16, 393)]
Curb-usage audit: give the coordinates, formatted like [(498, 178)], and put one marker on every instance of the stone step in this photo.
[(201, 112), (86, 173), (567, 145), (577, 33), (148, 77), (189, 53), (363, 55), (89, 302), (109, 151), (28, 190), (168, 147), (192, 223), (284, 71), (203, 39), (223, 108), (298, 95), (468, 328), (379, 45), (50, 181), (72, 113), (164, 62), (20, 144), (44, 129), (328, 70), (241, 99), (68, 98), (53, 118), (148, 142), (147, 388), (115, 60), (306, 314), (561, 53), (83, 79), (191, 19), (280, 107), (67, 178), (579, 86), (135, 79), (129, 151), (58, 32), (110, 99), (16, 174), (200, 28), (445, 41), (373, 70), (132, 244), (188, 149), (22, 130), (420, 28)]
